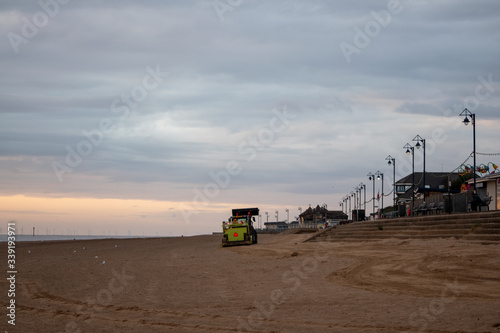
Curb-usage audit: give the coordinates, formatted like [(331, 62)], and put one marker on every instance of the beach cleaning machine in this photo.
[(238, 229)]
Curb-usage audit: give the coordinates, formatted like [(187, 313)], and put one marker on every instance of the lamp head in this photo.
[(408, 151), (466, 121), (378, 176), (390, 162), (418, 145)]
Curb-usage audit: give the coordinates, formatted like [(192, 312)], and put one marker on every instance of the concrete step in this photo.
[(479, 227), (490, 231), (422, 223), (416, 227), (491, 237), (437, 217), (335, 238)]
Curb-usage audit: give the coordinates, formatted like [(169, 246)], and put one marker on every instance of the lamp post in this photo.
[(411, 149), (267, 216), (353, 195), (350, 211), (359, 197), (380, 175), (276, 214), (359, 188), (392, 161), (300, 217), (466, 122), (287, 215), (419, 139), (361, 185), (371, 176), (345, 205)]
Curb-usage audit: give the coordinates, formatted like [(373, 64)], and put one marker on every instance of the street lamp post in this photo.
[(267, 216), (300, 213), (380, 175), (419, 139), (359, 196), (287, 215), (277, 216), (359, 199), (372, 177), (411, 149), (355, 196), (350, 206), (364, 195), (466, 122), (392, 161)]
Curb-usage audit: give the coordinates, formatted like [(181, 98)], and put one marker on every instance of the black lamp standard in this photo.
[(371, 176), (392, 161), (345, 204), (380, 175), (411, 149), (359, 188), (353, 196), (363, 186), (466, 122), (419, 139), (350, 210)]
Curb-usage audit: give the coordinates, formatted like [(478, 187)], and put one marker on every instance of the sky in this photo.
[(159, 117)]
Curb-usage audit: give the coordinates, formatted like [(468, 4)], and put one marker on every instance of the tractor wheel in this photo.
[(254, 237)]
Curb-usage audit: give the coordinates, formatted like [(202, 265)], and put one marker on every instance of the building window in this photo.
[(402, 188)]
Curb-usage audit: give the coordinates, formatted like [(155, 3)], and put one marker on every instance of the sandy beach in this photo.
[(191, 284)]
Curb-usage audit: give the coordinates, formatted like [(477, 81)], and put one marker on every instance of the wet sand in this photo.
[(191, 284)]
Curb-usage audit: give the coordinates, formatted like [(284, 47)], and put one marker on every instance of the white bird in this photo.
[(29, 251), (103, 262), (74, 251), (96, 257)]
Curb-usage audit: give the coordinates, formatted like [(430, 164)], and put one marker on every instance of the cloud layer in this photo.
[(83, 114)]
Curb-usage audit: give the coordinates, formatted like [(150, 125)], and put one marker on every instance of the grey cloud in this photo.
[(225, 79)]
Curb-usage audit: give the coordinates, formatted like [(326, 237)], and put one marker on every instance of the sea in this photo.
[(46, 238)]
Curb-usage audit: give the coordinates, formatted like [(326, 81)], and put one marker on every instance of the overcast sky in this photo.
[(161, 116)]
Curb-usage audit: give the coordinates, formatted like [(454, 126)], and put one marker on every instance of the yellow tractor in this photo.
[(238, 229)]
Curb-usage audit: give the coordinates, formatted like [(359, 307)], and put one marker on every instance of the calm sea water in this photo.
[(44, 238)]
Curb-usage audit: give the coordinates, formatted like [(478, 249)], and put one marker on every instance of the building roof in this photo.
[(320, 212), (432, 179), (487, 178)]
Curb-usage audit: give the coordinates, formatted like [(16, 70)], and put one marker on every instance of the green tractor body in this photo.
[(238, 229)]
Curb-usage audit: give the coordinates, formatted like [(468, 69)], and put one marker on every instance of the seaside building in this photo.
[(488, 189), (317, 217), (444, 198), (435, 182)]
